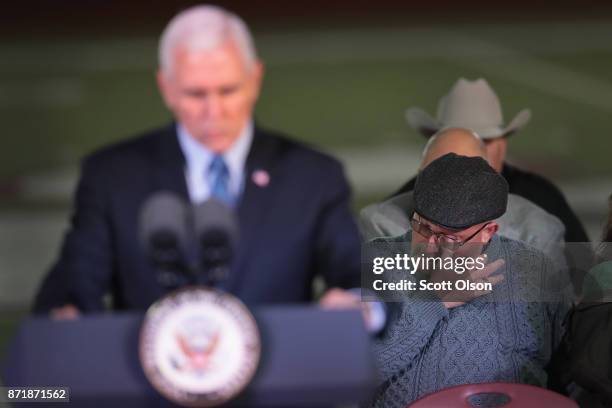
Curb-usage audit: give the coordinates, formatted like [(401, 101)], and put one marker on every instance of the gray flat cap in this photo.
[(457, 192)]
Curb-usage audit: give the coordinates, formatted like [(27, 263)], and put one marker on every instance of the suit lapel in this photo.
[(171, 170), (256, 190), (256, 199)]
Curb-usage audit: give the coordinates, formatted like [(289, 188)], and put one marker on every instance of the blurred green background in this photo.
[(341, 84), (345, 87)]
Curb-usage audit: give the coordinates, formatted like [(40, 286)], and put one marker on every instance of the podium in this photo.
[(310, 358)]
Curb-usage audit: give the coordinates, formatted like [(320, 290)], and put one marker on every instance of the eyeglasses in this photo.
[(445, 241)]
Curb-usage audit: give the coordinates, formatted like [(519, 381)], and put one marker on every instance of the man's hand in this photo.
[(476, 276), (454, 298), (66, 312), (337, 298)]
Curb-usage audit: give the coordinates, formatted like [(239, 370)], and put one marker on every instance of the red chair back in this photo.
[(508, 395)]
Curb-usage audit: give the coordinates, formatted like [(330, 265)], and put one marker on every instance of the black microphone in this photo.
[(165, 237), (216, 229)]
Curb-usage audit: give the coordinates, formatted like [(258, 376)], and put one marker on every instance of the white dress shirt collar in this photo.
[(198, 158)]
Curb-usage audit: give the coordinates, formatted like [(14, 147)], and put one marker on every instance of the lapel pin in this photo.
[(261, 178)]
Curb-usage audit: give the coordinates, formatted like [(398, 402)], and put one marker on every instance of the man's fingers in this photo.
[(343, 299), (478, 293), (339, 299), (450, 305), (67, 312), (455, 298), (446, 253), (487, 271), (495, 279)]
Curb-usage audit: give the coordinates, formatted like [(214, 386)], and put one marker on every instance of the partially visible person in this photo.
[(604, 252), (523, 220), (433, 341), (598, 282), (292, 202), (584, 362), (474, 105)]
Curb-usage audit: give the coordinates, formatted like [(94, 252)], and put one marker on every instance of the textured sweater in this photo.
[(507, 335)]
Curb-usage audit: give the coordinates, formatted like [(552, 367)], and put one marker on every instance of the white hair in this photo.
[(203, 28)]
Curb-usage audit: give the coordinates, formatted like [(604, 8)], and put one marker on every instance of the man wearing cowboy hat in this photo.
[(474, 105)]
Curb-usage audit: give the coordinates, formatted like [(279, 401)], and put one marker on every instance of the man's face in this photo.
[(212, 93), (496, 152), (474, 238)]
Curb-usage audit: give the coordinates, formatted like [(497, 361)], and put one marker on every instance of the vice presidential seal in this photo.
[(199, 347)]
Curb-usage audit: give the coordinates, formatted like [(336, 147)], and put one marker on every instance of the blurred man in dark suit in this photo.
[(292, 202)]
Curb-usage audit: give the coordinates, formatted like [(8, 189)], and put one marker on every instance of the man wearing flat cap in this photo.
[(522, 221), (439, 338)]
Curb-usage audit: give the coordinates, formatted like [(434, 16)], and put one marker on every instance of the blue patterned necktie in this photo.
[(218, 178)]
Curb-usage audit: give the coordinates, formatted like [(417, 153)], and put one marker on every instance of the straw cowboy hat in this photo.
[(469, 104)]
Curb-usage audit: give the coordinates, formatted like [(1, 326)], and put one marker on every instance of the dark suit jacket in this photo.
[(298, 225)]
